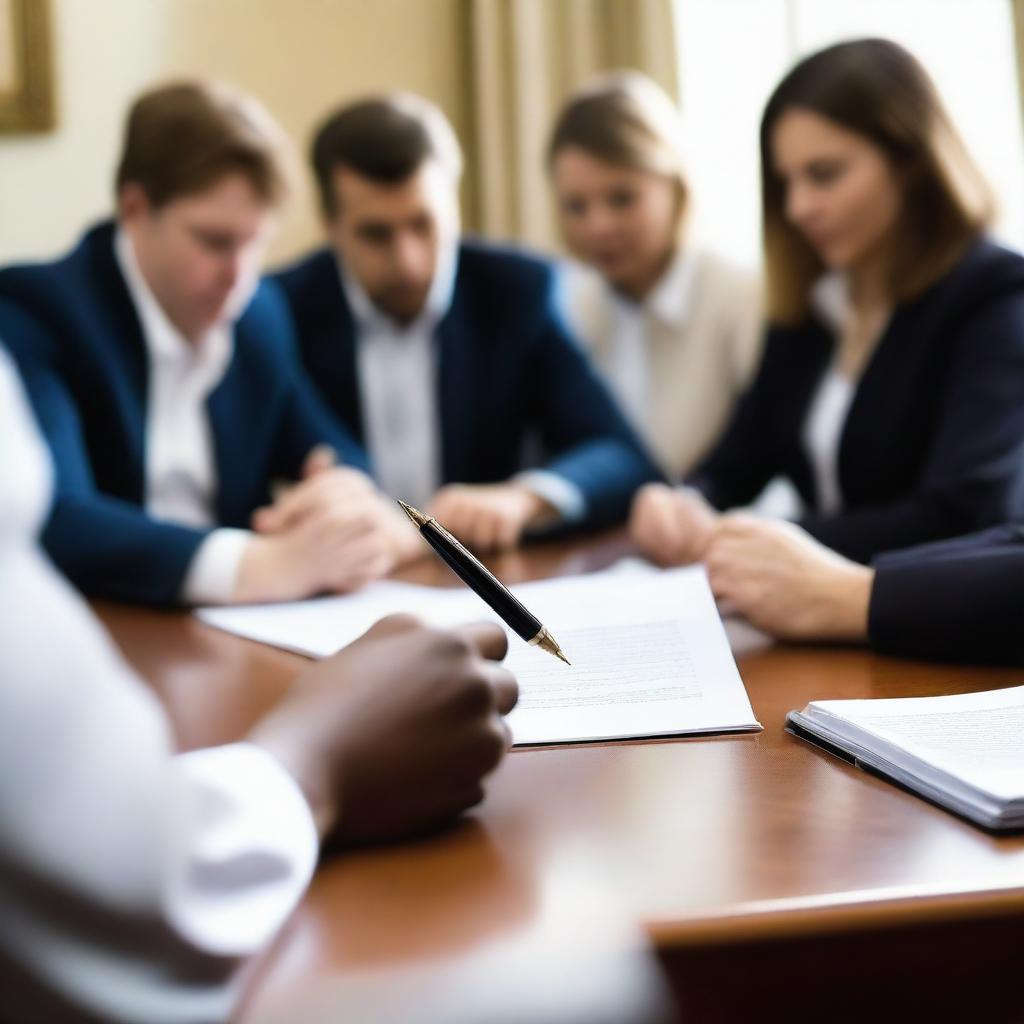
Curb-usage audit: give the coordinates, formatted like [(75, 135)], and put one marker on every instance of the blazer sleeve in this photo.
[(973, 474), (745, 458), (593, 447), (107, 547), (959, 600)]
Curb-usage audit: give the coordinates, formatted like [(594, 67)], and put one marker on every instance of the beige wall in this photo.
[(298, 56)]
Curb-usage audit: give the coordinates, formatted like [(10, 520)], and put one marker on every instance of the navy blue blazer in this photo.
[(74, 332), (508, 367), (959, 600), (933, 445)]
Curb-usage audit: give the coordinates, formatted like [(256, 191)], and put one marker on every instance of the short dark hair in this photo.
[(383, 138), (183, 137)]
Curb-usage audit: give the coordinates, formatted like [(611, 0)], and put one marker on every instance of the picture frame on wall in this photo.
[(27, 94)]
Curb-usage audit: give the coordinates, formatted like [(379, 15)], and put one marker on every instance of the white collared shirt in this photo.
[(217, 845), (629, 365), (397, 368), (180, 467)]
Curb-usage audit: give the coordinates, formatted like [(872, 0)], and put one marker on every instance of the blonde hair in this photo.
[(625, 119), (879, 90)]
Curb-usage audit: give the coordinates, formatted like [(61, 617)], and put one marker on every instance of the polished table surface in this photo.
[(734, 841)]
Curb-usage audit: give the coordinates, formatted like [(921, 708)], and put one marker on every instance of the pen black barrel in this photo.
[(482, 582)]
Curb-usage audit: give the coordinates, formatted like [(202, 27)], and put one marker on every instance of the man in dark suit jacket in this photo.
[(168, 384), (443, 357), (955, 600)]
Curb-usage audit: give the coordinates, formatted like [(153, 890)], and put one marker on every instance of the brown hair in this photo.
[(877, 89), (182, 138), (625, 119), (383, 138)]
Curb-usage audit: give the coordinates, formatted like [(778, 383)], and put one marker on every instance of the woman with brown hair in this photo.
[(674, 329), (891, 392)]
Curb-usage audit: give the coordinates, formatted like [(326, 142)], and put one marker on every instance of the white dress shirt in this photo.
[(101, 827), (180, 468), (823, 431), (397, 366), (398, 370)]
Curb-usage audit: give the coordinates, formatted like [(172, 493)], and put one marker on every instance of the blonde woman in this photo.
[(674, 329), (891, 392)]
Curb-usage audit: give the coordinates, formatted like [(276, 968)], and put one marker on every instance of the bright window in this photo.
[(733, 52)]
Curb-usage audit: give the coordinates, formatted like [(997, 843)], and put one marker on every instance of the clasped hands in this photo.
[(772, 572), (333, 531)]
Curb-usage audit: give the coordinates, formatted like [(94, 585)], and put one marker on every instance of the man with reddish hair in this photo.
[(166, 379)]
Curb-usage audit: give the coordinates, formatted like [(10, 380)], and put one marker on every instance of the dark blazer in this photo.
[(933, 446), (77, 339), (959, 600), (507, 367)]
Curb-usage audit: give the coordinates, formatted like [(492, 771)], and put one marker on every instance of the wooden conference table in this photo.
[(771, 878)]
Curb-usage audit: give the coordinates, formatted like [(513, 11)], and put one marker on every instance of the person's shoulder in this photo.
[(64, 297), (21, 331), (720, 274), (267, 311), (306, 273), (69, 268), (514, 269), (985, 255), (987, 272)]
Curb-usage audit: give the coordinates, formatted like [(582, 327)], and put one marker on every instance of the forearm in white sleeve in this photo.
[(214, 569), (215, 847)]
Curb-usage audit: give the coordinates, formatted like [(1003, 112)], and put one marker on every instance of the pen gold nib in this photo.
[(546, 642), (414, 514)]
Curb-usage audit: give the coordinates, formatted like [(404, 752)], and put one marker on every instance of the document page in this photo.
[(978, 737), (649, 653)]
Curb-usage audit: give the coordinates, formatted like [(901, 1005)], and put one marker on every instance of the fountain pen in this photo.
[(484, 583)]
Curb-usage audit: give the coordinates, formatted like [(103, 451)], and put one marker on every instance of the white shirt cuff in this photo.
[(565, 497), (247, 853), (211, 576)]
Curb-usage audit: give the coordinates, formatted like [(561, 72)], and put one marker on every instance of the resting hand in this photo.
[(489, 517), (343, 495), (671, 527), (786, 583), (394, 734)]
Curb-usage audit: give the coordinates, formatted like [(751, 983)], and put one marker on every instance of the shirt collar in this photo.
[(439, 298), (670, 301), (164, 342)]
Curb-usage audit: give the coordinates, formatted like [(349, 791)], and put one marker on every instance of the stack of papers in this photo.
[(649, 653), (965, 752)]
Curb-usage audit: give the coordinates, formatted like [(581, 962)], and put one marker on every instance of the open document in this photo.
[(965, 751), (649, 653)]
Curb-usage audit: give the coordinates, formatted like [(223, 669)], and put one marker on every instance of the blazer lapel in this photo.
[(237, 422), (129, 360), (331, 359)]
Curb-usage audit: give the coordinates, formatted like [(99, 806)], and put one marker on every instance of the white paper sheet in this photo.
[(965, 751), (648, 650), (977, 736)]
